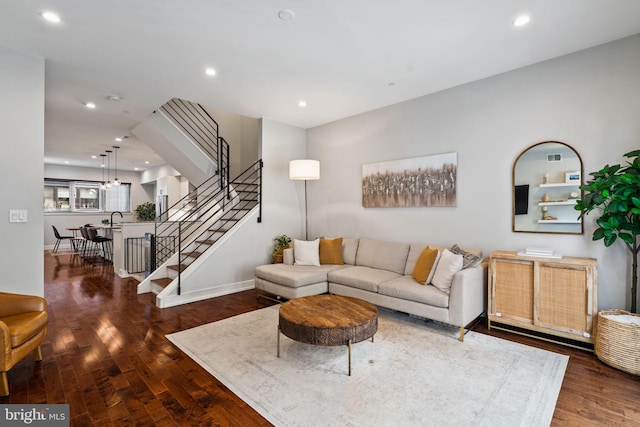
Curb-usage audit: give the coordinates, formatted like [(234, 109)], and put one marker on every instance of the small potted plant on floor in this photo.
[(615, 192), (281, 243)]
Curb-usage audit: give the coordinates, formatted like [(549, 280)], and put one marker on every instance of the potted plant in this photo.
[(615, 192), (146, 211), (281, 243)]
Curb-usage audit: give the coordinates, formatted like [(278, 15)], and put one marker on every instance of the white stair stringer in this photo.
[(163, 271), (172, 144), (216, 271)]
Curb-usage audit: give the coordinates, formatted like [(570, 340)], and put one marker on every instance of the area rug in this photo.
[(415, 373)]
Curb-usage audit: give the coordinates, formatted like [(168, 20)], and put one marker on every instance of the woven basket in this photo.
[(618, 343)]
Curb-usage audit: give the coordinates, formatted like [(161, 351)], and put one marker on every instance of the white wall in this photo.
[(151, 175), (64, 220), (589, 100), (22, 140), (242, 134), (280, 144)]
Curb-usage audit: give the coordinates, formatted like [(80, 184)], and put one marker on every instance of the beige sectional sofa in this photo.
[(381, 273)]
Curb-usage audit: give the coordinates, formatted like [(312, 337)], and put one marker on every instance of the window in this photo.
[(85, 196), (56, 196), (117, 198)]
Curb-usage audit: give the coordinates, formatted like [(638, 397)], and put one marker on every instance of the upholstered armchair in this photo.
[(23, 326)]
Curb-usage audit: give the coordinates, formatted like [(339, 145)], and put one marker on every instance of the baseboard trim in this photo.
[(203, 294)]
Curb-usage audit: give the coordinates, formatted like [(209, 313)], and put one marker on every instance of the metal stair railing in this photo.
[(202, 217), (197, 124)]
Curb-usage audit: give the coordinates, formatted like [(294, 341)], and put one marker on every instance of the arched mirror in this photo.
[(546, 184)]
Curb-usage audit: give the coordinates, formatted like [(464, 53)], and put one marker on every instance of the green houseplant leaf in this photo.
[(615, 192), (146, 211), (281, 243)]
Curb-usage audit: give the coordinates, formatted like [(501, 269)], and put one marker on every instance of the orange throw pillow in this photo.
[(426, 265), (331, 251)]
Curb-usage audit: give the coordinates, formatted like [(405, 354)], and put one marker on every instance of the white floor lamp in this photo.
[(304, 170)]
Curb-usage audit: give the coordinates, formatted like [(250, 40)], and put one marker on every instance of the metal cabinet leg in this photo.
[(349, 346)]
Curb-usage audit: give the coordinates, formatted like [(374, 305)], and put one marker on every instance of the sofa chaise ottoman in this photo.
[(384, 274)]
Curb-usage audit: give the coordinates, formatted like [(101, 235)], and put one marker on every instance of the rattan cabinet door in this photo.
[(564, 301), (512, 290)]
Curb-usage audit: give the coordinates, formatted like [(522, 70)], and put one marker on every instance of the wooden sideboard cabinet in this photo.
[(552, 299)]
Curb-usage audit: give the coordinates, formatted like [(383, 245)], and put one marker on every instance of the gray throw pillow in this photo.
[(468, 259)]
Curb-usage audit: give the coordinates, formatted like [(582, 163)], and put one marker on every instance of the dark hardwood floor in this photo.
[(106, 356)]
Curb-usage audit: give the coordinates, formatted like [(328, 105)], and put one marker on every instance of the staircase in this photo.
[(179, 242), (190, 230)]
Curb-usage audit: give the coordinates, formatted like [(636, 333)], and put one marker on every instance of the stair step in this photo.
[(179, 268), (218, 230), (192, 254), (205, 242), (162, 282)]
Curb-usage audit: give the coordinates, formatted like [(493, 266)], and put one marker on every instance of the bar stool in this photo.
[(101, 240), (85, 241), (89, 248)]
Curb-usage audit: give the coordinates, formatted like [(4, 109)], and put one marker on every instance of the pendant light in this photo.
[(108, 183), (115, 180), (103, 185)]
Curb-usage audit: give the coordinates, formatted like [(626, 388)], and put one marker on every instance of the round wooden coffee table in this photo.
[(328, 320)]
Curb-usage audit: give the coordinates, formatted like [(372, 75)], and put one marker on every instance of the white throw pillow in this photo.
[(448, 265), (306, 252)]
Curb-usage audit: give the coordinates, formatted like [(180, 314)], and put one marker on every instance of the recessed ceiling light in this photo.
[(115, 98), (136, 169), (146, 162), (302, 103), (286, 14), (51, 17), (210, 71), (90, 105), (521, 20), (94, 157), (66, 162), (119, 139)]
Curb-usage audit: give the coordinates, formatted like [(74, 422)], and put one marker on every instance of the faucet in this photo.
[(115, 212)]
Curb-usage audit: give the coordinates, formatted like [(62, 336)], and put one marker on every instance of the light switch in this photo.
[(18, 215)]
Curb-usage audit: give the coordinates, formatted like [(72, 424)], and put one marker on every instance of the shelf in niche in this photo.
[(559, 221), (561, 184), (562, 203)]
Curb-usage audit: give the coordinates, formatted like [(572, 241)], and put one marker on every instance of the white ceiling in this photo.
[(343, 57)]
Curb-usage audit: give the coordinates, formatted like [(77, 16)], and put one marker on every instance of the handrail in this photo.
[(215, 204), (218, 208), (197, 123), (223, 160)]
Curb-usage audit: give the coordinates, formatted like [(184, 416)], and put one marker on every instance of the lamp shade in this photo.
[(304, 169)]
